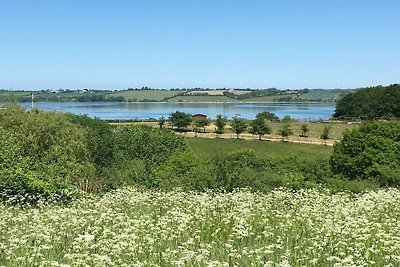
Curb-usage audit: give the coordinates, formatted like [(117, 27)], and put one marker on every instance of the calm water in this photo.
[(126, 110)]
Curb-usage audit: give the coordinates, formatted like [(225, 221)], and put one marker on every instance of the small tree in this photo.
[(201, 124), (287, 119), (285, 131), (239, 125), (259, 127), (161, 122), (220, 124), (325, 134), (304, 130), (180, 119), (266, 115)]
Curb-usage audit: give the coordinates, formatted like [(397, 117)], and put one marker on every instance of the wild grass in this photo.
[(207, 148), (130, 227)]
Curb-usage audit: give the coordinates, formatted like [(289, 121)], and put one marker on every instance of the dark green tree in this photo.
[(266, 115), (370, 102)]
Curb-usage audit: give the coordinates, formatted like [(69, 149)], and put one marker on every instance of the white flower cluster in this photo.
[(132, 227)]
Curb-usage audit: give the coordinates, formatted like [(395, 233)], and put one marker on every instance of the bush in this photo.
[(42, 153), (369, 152)]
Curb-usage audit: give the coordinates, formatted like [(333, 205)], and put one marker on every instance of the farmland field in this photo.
[(130, 227), (156, 95), (192, 98)]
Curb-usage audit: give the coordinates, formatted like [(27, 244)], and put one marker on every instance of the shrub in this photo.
[(369, 152)]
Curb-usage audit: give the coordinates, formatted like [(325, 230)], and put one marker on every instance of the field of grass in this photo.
[(207, 148), (323, 95), (156, 95), (131, 227), (192, 98)]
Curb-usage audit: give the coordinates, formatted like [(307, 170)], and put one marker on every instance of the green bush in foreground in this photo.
[(371, 152), (43, 154)]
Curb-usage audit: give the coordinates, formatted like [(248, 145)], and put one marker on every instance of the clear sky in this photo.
[(116, 44)]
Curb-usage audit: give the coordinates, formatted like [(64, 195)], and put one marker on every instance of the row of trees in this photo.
[(259, 126)]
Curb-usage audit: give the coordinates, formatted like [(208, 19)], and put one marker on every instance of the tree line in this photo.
[(370, 103), (259, 126)]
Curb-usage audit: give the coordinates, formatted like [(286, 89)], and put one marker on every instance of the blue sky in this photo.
[(205, 43)]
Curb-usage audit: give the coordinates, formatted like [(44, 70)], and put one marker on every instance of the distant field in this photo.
[(323, 95), (218, 92), (273, 98), (156, 95), (201, 99), (207, 148)]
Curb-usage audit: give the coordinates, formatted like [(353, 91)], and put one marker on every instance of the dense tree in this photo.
[(259, 127), (370, 152), (220, 124), (370, 102), (238, 125), (180, 119)]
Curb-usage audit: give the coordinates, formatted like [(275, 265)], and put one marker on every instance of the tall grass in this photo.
[(130, 227)]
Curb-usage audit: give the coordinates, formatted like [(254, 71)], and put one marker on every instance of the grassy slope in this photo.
[(157, 95), (322, 95), (201, 99), (207, 148)]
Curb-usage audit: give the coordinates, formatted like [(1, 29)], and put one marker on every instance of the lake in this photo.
[(142, 110)]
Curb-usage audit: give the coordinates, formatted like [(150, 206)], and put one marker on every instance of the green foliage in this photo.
[(99, 139), (259, 127), (287, 119), (285, 131), (370, 152), (220, 124), (370, 102), (201, 124), (44, 151), (304, 130), (161, 122), (143, 148), (238, 125), (180, 119), (325, 132), (266, 115)]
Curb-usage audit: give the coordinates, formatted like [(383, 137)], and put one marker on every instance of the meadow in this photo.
[(207, 148), (141, 95), (132, 227)]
